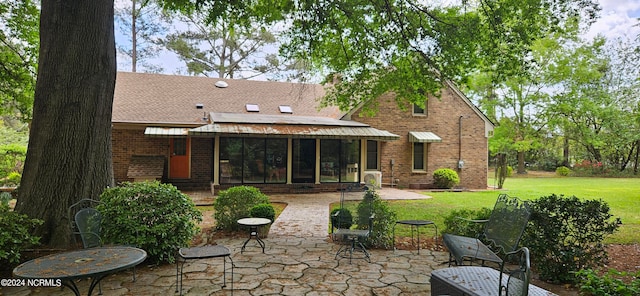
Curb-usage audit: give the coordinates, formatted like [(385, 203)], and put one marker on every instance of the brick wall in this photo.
[(442, 118), (129, 142)]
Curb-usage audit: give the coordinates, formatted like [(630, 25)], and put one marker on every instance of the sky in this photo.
[(618, 18)]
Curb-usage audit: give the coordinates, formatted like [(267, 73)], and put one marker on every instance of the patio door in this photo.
[(179, 163), (304, 161)]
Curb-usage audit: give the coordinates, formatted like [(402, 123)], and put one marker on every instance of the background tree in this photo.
[(399, 46), (141, 22), (410, 47), (596, 105), (18, 58), (224, 50)]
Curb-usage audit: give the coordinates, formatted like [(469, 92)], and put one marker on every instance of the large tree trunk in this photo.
[(69, 153)]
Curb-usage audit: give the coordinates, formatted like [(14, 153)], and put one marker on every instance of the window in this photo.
[(420, 157), (339, 160), (417, 110), (252, 107), (285, 109), (253, 160), (303, 160), (372, 155), (180, 146)]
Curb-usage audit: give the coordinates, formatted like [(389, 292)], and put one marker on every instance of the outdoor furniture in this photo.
[(502, 231), (253, 224), (88, 221), (353, 230), (75, 208), (89, 224), (413, 224), (94, 263), (204, 252), (486, 281)]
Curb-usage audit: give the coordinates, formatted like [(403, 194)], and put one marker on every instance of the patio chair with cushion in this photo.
[(353, 230), (502, 232), (477, 280)]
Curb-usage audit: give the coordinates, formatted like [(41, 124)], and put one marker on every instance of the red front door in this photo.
[(179, 165)]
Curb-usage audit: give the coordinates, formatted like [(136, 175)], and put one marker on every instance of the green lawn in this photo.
[(622, 195)]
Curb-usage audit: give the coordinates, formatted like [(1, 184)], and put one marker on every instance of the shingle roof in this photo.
[(158, 99)]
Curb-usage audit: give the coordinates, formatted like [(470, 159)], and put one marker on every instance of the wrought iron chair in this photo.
[(486, 280), (353, 231), (71, 212), (519, 278), (89, 221), (89, 224), (502, 231)]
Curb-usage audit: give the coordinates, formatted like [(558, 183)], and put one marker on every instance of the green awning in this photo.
[(424, 137)]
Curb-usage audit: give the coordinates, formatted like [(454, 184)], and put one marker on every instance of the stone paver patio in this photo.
[(299, 259)]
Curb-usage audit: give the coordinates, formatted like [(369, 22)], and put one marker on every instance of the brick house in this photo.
[(198, 132)]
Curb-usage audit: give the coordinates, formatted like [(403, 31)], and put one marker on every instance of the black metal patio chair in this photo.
[(88, 222), (353, 230), (502, 232), (514, 281)]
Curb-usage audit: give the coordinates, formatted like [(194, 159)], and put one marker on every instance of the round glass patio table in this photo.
[(94, 263)]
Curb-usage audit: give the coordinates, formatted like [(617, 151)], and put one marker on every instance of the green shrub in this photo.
[(5, 197), (12, 158), (456, 222), (264, 210), (445, 178), (153, 216), (591, 284), (15, 234), (344, 220), (565, 235), (563, 171), (382, 232), (236, 203), (13, 179), (509, 171)]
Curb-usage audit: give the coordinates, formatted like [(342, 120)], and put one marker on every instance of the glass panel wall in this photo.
[(254, 170), (339, 160), (276, 160), (253, 160), (304, 160), (350, 157), (230, 160), (329, 160)]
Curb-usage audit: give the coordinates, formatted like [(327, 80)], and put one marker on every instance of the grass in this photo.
[(622, 195)]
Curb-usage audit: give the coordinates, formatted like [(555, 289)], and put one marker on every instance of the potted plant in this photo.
[(263, 210)]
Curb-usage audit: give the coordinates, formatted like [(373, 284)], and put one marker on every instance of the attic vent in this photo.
[(285, 109), (199, 106), (252, 107), (221, 84)]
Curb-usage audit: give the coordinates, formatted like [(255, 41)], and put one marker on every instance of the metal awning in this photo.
[(166, 131), (297, 131), (424, 137)]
